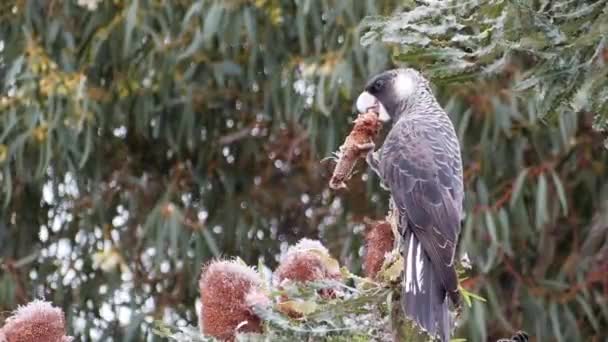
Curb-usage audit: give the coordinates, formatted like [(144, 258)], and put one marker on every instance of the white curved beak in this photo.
[(367, 101)]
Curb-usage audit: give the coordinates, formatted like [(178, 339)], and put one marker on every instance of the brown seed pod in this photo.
[(356, 145), (379, 240), (228, 288), (35, 322)]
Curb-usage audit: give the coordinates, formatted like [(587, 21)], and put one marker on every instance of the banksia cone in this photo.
[(379, 241), (228, 291), (257, 297), (35, 322), (308, 260), (366, 127)]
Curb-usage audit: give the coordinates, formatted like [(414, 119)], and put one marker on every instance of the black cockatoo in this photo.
[(420, 163)]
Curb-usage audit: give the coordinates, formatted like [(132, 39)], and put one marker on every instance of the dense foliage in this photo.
[(558, 47), (139, 139), (527, 82)]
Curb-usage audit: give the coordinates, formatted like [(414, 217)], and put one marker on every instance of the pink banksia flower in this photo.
[(379, 241), (35, 322), (229, 290), (308, 260), (257, 298)]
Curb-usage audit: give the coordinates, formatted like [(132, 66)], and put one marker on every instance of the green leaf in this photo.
[(210, 240), (491, 226), (527, 83), (301, 306), (589, 313), (555, 321), (11, 74), (130, 22), (212, 21), (464, 124), (541, 202), (196, 43), (470, 296), (505, 230), (393, 272), (368, 38), (482, 192), (561, 193), (518, 186), (194, 9)]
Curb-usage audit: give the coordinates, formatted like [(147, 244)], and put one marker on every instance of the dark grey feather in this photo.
[(420, 162), (424, 298)]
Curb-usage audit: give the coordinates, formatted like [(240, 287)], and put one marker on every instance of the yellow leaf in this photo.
[(302, 307), (41, 132), (393, 272), (107, 260), (331, 264), (259, 3), (3, 152)]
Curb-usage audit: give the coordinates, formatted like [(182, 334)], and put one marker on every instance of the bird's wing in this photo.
[(420, 162)]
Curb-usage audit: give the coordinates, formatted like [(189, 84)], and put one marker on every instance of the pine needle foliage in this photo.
[(526, 82), (562, 46)]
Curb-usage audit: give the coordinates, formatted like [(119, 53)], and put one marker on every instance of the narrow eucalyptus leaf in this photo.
[(541, 202), (130, 23), (561, 193), (518, 187)]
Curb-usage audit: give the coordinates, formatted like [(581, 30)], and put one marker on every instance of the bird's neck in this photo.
[(422, 103)]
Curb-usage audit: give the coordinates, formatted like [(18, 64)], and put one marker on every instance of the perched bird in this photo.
[(420, 164)]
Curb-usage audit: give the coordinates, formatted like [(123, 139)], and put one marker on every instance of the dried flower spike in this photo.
[(35, 322), (356, 145), (227, 290), (379, 241)]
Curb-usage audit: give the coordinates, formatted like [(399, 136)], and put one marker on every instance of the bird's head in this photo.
[(388, 93)]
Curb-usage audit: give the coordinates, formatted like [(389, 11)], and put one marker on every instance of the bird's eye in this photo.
[(377, 86)]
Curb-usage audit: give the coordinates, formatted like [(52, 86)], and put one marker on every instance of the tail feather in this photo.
[(424, 299)]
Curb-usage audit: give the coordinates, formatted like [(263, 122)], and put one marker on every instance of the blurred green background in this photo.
[(140, 139)]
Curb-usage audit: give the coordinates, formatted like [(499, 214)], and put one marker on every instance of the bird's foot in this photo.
[(366, 147), (337, 186), (373, 161)]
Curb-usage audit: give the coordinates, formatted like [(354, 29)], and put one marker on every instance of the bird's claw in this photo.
[(334, 157), (338, 186), (373, 161), (366, 147)]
